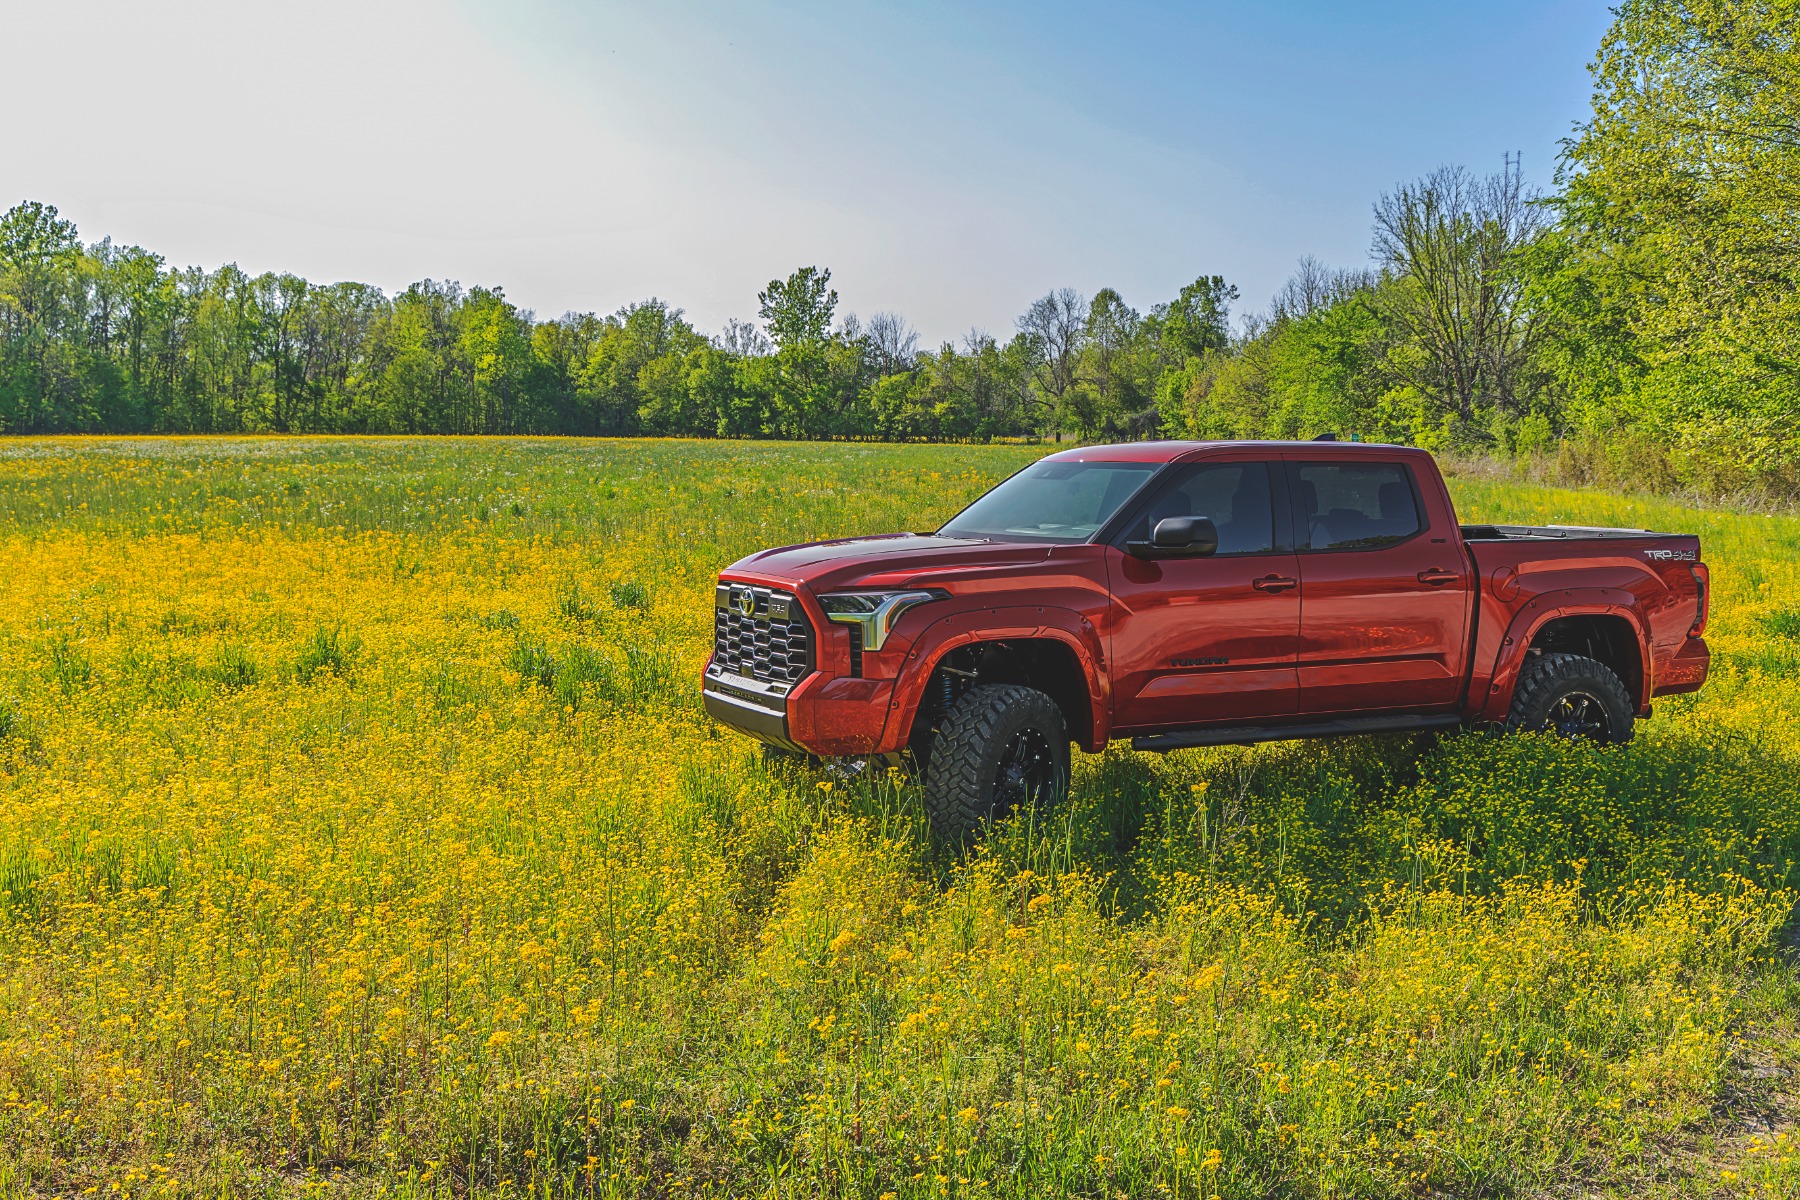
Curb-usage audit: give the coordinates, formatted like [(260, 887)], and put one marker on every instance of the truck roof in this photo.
[(1163, 452)]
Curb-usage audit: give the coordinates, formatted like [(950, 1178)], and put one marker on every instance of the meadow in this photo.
[(361, 833)]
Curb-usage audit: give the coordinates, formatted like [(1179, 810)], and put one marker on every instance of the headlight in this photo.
[(873, 612)]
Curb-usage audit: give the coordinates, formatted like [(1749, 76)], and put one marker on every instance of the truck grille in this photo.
[(772, 644)]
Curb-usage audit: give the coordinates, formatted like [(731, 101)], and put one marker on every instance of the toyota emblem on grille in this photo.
[(744, 601)]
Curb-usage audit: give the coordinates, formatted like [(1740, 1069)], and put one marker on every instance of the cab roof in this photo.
[(1171, 451)]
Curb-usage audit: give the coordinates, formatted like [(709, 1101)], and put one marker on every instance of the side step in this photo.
[(1245, 735)]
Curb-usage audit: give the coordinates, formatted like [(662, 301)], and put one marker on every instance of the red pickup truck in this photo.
[(1195, 594)]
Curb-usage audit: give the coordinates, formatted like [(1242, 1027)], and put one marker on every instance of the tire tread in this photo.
[(958, 796)]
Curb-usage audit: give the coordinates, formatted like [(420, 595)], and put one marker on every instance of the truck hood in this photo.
[(889, 560)]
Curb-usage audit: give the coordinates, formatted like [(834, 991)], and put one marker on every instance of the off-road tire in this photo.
[(980, 736), (1554, 690)]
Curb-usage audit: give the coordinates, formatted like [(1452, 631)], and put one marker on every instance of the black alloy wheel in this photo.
[(1577, 714), (1571, 696), (1026, 771)]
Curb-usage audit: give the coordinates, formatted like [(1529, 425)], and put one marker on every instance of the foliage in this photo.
[(1638, 325), (1453, 245), (496, 910), (329, 649), (798, 310), (1677, 274), (99, 339), (1650, 303)]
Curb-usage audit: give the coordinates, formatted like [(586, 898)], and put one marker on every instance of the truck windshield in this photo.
[(1052, 502)]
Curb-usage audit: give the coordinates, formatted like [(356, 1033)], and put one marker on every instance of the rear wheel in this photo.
[(998, 748), (1571, 696)]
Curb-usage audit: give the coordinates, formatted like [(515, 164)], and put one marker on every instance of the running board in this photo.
[(1245, 735)]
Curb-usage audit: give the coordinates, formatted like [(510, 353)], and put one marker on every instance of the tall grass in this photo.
[(360, 831)]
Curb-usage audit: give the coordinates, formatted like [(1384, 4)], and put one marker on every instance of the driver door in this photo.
[(1199, 640)]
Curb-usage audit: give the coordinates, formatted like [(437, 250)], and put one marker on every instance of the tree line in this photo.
[(101, 338), (1645, 312)]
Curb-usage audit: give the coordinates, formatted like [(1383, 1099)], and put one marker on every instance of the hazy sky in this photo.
[(946, 161)]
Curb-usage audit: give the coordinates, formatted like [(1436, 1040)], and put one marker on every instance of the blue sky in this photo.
[(949, 162)]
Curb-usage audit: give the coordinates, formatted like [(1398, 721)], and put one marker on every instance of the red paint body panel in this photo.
[(1387, 629), (1436, 624), (1171, 618)]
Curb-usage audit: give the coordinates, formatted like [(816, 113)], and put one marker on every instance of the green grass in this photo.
[(360, 831)]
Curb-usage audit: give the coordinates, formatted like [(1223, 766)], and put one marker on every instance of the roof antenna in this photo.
[(1326, 437)]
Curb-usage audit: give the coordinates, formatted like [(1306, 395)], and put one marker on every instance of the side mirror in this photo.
[(1178, 537)]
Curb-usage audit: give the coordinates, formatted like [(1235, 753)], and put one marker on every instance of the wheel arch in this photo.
[(1609, 632), (1051, 659)]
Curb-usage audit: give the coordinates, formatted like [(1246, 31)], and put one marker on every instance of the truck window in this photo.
[(1356, 506), (1052, 502), (1234, 496)]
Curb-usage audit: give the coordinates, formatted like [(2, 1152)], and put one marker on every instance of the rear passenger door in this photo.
[(1384, 591), (1197, 640)]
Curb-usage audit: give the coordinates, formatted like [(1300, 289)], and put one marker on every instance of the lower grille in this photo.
[(760, 634)]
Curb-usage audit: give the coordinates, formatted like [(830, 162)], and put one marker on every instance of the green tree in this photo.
[(494, 348), (417, 384), (613, 380), (798, 310), (1110, 373), (1321, 362), (1052, 329), (1195, 324), (42, 376), (1675, 274), (1458, 297), (725, 404)]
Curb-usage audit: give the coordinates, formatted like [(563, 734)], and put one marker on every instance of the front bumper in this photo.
[(745, 717), (823, 715)]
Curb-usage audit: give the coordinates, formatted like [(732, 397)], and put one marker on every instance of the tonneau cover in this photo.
[(1526, 533)]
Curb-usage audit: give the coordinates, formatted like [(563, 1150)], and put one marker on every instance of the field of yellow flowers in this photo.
[(361, 832)]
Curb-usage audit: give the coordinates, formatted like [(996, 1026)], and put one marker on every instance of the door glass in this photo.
[(1235, 496), (1356, 506)]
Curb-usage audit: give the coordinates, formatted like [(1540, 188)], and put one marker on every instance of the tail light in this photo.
[(1702, 598)]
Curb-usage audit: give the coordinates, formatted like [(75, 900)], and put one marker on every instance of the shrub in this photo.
[(1785, 623), (651, 673), (451, 686), (500, 618), (580, 672), (577, 674), (532, 659), (574, 605)]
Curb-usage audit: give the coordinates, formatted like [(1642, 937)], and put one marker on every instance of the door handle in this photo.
[(1273, 583), (1438, 577)]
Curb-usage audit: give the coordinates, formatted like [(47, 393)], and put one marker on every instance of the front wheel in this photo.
[(1571, 696), (1000, 747)]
